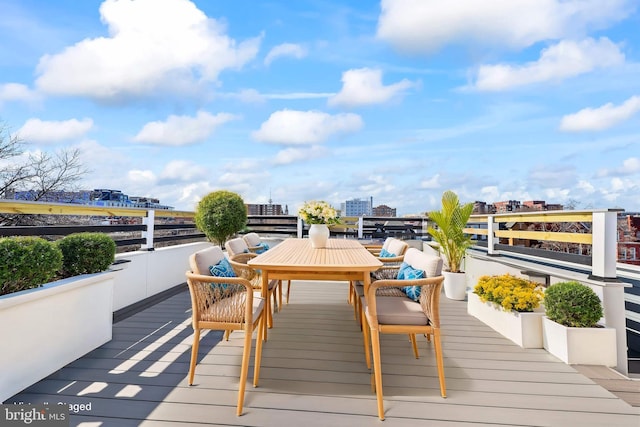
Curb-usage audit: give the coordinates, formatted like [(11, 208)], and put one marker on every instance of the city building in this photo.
[(384, 210), (97, 197), (267, 209), (358, 207)]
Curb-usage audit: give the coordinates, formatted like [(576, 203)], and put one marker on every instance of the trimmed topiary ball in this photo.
[(572, 304), (86, 253), (220, 215), (27, 262)]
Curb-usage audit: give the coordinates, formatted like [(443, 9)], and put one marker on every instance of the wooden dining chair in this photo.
[(240, 267), (226, 304), (392, 251), (394, 315), (256, 245)]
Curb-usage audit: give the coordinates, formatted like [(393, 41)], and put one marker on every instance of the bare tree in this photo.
[(41, 172)]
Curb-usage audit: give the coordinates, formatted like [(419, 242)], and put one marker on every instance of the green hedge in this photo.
[(86, 253), (27, 262), (572, 304)]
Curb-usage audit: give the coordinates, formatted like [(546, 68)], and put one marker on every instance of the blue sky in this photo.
[(321, 99)]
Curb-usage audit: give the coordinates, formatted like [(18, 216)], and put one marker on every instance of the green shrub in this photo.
[(510, 292), (86, 253), (27, 262), (572, 304), (220, 215)]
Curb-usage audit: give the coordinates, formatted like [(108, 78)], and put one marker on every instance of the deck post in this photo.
[(149, 221), (299, 228), (491, 241), (360, 227), (604, 240)]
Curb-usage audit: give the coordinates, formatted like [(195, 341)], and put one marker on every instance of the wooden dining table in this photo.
[(295, 259)]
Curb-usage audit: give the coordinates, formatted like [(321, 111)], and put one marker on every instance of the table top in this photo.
[(339, 255)]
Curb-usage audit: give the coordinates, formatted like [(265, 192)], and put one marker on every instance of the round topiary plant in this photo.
[(86, 253), (572, 304), (27, 262), (220, 215)]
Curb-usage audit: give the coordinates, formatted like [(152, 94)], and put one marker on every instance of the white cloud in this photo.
[(152, 45), (183, 171), (560, 61), (182, 130), (431, 183), (600, 118), (305, 127), (284, 50), (292, 155), (586, 186), (364, 86), (40, 131), (141, 178), (17, 92), (424, 26)]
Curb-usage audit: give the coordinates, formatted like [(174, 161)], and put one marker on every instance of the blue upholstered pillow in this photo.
[(386, 254), (263, 247), (407, 272), (222, 269)]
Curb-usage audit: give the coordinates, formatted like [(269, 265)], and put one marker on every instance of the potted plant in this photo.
[(570, 327), (220, 215), (511, 306), (61, 298), (453, 242), (319, 214)]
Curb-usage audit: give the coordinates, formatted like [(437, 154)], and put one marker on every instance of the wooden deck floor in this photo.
[(314, 374)]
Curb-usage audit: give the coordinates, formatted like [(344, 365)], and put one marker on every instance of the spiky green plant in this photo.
[(451, 221)]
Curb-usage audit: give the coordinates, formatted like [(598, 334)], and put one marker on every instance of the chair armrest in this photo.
[(396, 259), (254, 249), (222, 280)]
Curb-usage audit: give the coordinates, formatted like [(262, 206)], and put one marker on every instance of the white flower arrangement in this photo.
[(318, 212)]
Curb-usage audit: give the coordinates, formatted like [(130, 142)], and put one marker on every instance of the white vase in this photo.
[(319, 234)]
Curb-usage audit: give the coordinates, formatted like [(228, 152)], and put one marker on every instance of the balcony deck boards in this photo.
[(313, 374)]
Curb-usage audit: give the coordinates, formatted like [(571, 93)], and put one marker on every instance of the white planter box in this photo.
[(46, 328), (524, 329), (581, 346)]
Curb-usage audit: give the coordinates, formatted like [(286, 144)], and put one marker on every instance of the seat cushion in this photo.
[(398, 311), (252, 239), (397, 247), (431, 265)]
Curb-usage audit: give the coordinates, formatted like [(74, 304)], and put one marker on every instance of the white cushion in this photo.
[(397, 247), (236, 246), (252, 239), (431, 265), (205, 258)]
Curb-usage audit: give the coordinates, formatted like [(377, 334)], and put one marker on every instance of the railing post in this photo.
[(149, 221), (604, 251), (491, 241), (360, 227), (299, 228)]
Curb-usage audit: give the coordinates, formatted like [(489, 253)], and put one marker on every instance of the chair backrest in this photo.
[(236, 246), (252, 239), (397, 247), (430, 264), (201, 261)]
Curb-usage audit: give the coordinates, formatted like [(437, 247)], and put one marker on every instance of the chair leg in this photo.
[(269, 314), (246, 353), (414, 344), (227, 333), (439, 361), (258, 356), (377, 371), (279, 295), (365, 338), (194, 355)]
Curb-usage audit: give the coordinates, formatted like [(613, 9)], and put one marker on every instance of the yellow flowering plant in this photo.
[(318, 212), (510, 292)]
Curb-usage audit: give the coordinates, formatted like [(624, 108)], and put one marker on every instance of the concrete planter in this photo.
[(455, 285), (581, 346), (46, 328), (524, 329)]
